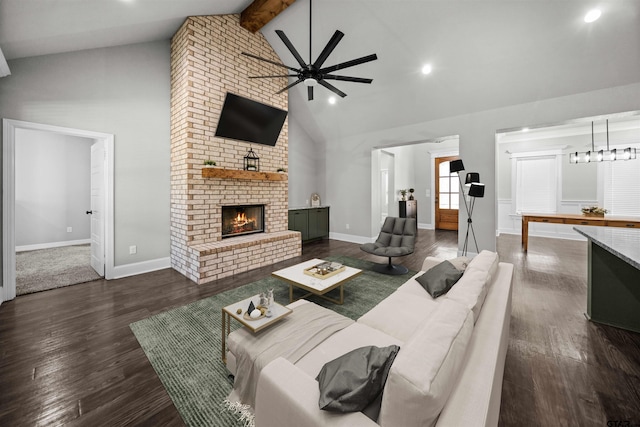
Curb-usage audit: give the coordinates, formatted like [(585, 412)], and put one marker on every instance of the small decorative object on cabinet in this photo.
[(209, 163), (403, 193), (411, 190), (252, 161), (315, 200), (281, 170)]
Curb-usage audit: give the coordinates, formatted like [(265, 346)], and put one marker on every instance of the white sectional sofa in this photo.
[(448, 371)]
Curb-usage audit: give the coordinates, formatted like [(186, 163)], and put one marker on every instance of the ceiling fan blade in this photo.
[(292, 49), (269, 61), (348, 64), (332, 88), (290, 86), (268, 77), (347, 79), (310, 92), (333, 42)]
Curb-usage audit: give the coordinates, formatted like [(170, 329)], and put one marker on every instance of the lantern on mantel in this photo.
[(252, 161)]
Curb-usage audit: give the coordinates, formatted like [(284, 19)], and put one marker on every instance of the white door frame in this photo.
[(8, 289)]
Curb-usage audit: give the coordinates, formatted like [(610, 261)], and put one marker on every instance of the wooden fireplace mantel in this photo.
[(242, 174)]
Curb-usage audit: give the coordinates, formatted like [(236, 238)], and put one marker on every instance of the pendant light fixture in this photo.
[(628, 153)]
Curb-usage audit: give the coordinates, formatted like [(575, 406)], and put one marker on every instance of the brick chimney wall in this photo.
[(206, 63)]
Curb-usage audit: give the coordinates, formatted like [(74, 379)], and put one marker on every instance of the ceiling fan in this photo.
[(312, 74)]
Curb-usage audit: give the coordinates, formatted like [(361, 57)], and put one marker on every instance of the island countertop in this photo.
[(621, 242)]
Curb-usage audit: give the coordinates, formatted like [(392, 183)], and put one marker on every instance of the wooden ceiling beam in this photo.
[(260, 12)]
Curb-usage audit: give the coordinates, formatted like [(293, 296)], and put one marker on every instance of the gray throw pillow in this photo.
[(439, 279), (350, 382)]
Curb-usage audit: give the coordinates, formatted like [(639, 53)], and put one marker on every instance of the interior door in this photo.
[(447, 198), (98, 157), (384, 194)]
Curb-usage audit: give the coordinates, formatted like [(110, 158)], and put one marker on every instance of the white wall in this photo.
[(348, 175), (306, 162), (53, 191), (122, 91), (421, 183)]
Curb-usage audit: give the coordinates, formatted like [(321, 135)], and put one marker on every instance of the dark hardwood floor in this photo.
[(68, 357)]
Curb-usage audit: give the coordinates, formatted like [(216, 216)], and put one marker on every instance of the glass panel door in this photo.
[(447, 195)]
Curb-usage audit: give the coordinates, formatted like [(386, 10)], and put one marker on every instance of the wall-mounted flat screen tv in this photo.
[(247, 120)]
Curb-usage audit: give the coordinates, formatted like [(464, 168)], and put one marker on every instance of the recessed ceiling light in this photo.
[(332, 100), (592, 15), (525, 129), (426, 69)]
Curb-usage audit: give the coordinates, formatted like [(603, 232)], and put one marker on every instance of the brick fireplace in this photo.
[(206, 63), (241, 220)]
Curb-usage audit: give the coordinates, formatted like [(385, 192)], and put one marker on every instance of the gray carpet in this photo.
[(184, 344), (45, 269)]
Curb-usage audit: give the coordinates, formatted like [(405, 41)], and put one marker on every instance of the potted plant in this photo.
[(281, 170), (403, 193), (593, 211), (209, 163), (411, 190)]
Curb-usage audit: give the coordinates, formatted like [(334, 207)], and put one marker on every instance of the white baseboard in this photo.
[(351, 238), (120, 271), (361, 240), (549, 235), (50, 245)]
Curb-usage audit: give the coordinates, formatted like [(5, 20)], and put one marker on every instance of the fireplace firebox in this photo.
[(242, 220)]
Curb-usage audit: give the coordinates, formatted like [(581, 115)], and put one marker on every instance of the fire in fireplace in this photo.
[(241, 220)]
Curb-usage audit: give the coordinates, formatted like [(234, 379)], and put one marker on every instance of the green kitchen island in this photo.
[(613, 286)]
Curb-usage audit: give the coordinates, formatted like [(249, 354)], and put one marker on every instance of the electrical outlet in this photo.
[(133, 250), (69, 229), (347, 226)]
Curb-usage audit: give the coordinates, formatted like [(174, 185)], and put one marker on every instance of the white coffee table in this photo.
[(295, 276), (278, 312)]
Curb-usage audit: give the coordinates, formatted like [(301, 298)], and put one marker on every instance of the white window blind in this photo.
[(536, 184), (622, 187)]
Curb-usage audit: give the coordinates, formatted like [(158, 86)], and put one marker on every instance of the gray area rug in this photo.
[(45, 269), (184, 344)]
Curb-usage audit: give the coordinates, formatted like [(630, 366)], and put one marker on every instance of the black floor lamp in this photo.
[(476, 190)]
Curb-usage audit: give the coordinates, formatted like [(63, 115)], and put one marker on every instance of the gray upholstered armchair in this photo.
[(397, 238)]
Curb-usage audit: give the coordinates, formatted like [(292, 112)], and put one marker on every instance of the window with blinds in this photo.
[(536, 184), (621, 189)]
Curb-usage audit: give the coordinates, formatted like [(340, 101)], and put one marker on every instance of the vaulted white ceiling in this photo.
[(484, 54)]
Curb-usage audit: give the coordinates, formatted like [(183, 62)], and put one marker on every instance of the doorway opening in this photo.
[(407, 166), (534, 174), (101, 197)]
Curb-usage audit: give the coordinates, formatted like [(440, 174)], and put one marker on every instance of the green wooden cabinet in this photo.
[(299, 221), (318, 223), (313, 223)]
